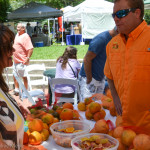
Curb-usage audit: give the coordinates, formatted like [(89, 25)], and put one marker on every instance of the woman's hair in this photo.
[(70, 52), (6, 43)]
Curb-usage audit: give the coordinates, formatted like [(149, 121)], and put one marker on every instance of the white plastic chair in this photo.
[(56, 81), (31, 95), (42, 80)]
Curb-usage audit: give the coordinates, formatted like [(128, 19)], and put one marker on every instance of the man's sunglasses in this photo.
[(122, 13)]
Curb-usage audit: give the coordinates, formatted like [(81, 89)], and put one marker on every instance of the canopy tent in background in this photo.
[(95, 17), (67, 9), (35, 11), (146, 4)]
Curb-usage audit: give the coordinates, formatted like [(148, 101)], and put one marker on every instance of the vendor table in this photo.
[(50, 143), (75, 39)]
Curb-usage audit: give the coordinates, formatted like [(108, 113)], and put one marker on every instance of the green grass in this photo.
[(54, 51)]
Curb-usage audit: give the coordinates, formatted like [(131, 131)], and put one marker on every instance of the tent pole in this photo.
[(54, 29), (82, 43), (62, 43), (49, 32)]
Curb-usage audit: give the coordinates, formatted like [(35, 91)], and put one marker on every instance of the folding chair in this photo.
[(31, 95), (58, 81), (42, 80)]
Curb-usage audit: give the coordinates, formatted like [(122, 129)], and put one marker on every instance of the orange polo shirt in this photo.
[(128, 65)]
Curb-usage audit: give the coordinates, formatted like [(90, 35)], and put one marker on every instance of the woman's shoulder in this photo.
[(72, 60)]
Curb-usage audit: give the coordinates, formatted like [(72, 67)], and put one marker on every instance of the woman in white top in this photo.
[(11, 114), (67, 67)]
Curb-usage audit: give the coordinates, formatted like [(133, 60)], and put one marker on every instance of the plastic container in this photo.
[(64, 139), (39, 44), (76, 141)]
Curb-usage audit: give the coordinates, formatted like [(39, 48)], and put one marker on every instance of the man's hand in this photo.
[(88, 80), (115, 96), (118, 106), (26, 61)]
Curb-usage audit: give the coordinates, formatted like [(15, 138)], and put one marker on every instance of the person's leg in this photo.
[(25, 82), (16, 90), (16, 83)]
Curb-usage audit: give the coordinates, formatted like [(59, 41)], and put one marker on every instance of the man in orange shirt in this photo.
[(127, 66), (23, 51)]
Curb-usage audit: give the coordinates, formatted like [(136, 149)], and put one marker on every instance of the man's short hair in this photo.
[(136, 4), (23, 25)]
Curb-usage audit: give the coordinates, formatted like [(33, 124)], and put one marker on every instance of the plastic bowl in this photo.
[(76, 141), (64, 139)]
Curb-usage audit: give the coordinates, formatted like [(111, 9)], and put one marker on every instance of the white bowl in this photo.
[(77, 140)]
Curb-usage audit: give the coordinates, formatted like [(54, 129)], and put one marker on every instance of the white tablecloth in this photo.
[(50, 143)]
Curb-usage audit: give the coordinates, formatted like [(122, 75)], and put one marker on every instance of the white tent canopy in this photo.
[(94, 15)]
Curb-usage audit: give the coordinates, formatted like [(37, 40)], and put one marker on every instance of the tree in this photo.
[(52, 3), (4, 8)]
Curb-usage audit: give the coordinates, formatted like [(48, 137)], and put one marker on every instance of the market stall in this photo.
[(34, 12), (50, 143)]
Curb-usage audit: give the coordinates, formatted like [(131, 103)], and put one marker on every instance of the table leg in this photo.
[(50, 93)]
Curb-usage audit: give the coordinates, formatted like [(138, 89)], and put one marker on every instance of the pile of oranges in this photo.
[(93, 110), (40, 120)]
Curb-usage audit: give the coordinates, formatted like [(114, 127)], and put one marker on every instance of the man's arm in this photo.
[(88, 65), (115, 96), (28, 56)]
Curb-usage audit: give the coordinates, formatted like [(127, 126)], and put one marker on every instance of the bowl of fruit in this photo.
[(63, 132), (94, 141)]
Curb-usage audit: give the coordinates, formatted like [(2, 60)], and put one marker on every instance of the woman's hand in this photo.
[(25, 111)]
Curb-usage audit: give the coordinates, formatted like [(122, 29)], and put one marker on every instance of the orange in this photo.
[(99, 115), (88, 100), (35, 138), (59, 110), (93, 131), (127, 137), (112, 110), (28, 132), (118, 132), (68, 105), (81, 106), (88, 114), (45, 126), (45, 134), (111, 132), (121, 146), (76, 115), (66, 114), (69, 130), (55, 120), (108, 93), (47, 118), (118, 121), (87, 106), (101, 126), (141, 142), (35, 125), (94, 107), (102, 114), (96, 116), (25, 138)]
